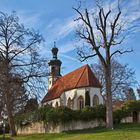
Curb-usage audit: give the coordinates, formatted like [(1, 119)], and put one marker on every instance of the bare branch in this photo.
[(21, 67), (83, 57), (109, 36), (120, 52), (81, 17), (92, 39), (113, 27)]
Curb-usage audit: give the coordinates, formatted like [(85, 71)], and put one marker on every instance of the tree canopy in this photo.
[(22, 68), (122, 77), (101, 32)]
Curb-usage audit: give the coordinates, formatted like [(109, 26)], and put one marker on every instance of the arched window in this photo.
[(70, 103), (95, 100), (56, 104), (80, 102), (87, 99)]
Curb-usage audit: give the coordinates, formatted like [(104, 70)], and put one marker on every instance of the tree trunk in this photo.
[(7, 91), (11, 121), (109, 114), (9, 110)]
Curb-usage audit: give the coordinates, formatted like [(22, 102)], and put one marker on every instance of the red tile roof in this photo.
[(117, 104), (81, 77)]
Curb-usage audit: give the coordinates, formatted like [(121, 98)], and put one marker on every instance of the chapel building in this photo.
[(75, 90)]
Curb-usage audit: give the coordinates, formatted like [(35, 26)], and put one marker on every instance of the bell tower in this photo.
[(54, 67)]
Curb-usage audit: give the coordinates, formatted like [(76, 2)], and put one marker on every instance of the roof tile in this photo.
[(81, 77)]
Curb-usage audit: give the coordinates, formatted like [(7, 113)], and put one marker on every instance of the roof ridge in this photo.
[(88, 75), (73, 71), (95, 76), (80, 76)]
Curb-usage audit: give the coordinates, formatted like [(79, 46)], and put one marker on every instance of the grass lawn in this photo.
[(121, 132)]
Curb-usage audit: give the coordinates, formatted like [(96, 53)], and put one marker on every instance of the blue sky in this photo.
[(54, 19)]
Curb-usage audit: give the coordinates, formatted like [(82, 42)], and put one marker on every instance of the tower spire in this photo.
[(54, 51), (54, 44), (54, 66)]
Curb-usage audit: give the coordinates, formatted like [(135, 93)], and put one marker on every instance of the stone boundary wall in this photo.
[(40, 127), (129, 119), (32, 128)]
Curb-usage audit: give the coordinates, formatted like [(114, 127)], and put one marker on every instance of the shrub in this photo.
[(132, 105), (119, 114), (87, 113), (64, 114), (61, 114), (125, 110), (91, 113), (101, 112)]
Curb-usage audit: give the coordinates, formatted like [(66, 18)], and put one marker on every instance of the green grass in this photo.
[(121, 132)]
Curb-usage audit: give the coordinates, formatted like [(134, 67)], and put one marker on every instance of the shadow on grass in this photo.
[(90, 130), (118, 127), (7, 139), (128, 127)]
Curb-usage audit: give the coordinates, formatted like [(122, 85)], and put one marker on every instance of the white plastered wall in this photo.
[(53, 102), (93, 92), (74, 94)]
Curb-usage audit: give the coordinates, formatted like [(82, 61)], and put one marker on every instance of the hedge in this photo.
[(126, 109), (64, 114), (60, 114)]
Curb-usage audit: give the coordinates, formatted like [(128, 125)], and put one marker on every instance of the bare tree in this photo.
[(122, 78), (138, 91), (130, 94), (19, 96), (22, 66), (101, 33)]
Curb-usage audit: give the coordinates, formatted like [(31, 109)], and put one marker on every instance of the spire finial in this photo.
[(54, 51), (54, 44)]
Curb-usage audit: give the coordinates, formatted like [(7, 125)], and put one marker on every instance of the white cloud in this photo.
[(57, 30), (29, 19), (67, 47), (61, 30), (67, 28), (69, 57)]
